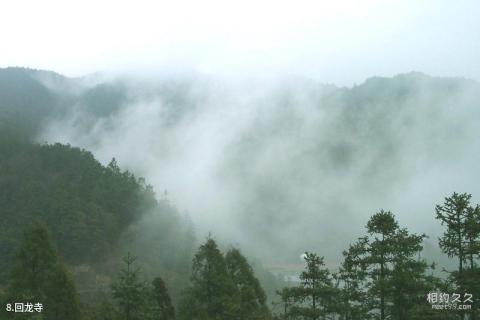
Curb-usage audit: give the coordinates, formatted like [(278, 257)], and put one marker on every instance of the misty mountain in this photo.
[(276, 167), (95, 214)]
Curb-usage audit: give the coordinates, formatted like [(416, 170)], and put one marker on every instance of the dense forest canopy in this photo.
[(88, 206)]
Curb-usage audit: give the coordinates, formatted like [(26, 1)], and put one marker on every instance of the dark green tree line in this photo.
[(382, 277), (250, 300)]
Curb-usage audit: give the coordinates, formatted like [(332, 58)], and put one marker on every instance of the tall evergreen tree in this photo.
[(454, 214), (381, 227), (315, 295), (472, 234), (129, 291), (461, 239), (351, 280), (408, 282), (472, 230), (387, 263), (250, 298), (210, 296), (398, 275), (38, 275)]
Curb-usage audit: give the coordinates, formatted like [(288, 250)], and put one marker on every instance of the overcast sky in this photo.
[(341, 42)]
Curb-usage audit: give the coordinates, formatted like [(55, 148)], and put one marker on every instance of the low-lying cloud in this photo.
[(292, 165)]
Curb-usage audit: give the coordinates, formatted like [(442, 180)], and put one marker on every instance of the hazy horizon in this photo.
[(341, 42)]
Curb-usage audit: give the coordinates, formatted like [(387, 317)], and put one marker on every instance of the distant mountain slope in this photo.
[(30, 98), (24, 102)]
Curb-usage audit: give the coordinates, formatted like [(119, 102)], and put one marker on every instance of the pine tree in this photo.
[(461, 239), (454, 213), (381, 227), (397, 281), (472, 231), (38, 275), (472, 234), (405, 278), (315, 295), (408, 282), (129, 291), (250, 298), (211, 293), (351, 280)]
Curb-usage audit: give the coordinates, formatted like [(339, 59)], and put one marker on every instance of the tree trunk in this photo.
[(460, 263), (472, 266), (382, 276)]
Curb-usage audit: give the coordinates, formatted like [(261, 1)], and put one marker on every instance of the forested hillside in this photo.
[(86, 205), (94, 213), (90, 209)]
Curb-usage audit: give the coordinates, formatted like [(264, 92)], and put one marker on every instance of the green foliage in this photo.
[(222, 288), (129, 291), (86, 206), (210, 294), (162, 308), (250, 299), (381, 277), (38, 275), (461, 240), (397, 275), (316, 292), (160, 231), (136, 299), (315, 296), (352, 276), (93, 210), (453, 213), (287, 301)]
